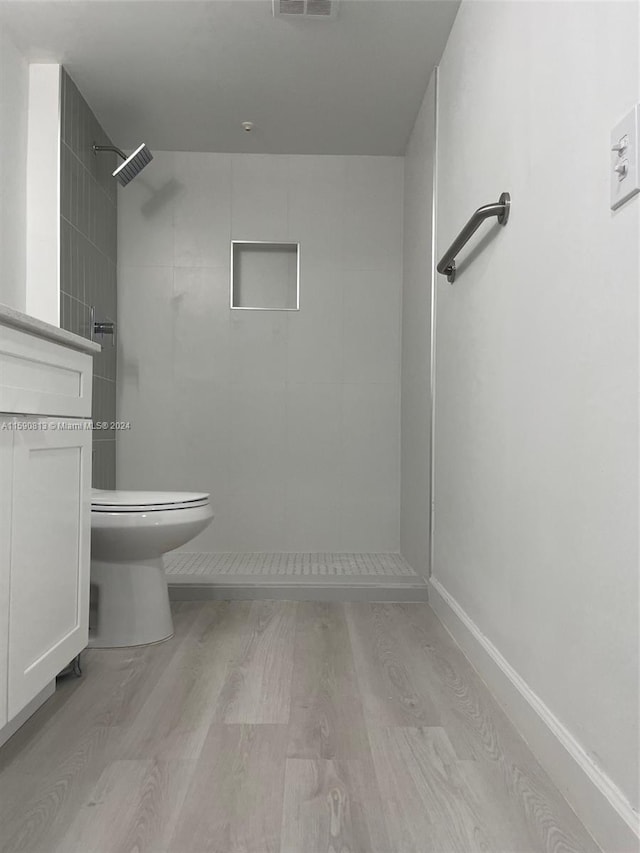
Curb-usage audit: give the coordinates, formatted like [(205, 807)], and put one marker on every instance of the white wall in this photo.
[(536, 526), (43, 194), (289, 419), (14, 99), (416, 337)]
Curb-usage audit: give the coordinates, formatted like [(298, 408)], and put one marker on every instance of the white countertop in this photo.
[(11, 317)]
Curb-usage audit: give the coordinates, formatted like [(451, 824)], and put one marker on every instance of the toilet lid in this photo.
[(103, 500)]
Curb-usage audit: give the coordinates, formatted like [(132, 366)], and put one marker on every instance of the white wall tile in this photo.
[(145, 215), (370, 464), (316, 187), (202, 210), (200, 306), (257, 346), (201, 420), (371, 326), (145, 334), (259, 197), (258, 434), (369, 522), (315, 333), (145, 375), (372, 214), (313, 466), (144, 459), (256, 520)]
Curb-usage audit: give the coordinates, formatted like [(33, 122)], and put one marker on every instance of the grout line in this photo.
[(113, 202), (89, 240)]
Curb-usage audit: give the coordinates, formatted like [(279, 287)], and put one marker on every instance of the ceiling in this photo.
[(184, 75)]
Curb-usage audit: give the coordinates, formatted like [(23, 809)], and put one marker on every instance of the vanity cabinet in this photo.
[(50, 554), (45, 514)]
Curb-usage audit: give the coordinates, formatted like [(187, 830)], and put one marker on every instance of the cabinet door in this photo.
[(50, 553), (6, 457)]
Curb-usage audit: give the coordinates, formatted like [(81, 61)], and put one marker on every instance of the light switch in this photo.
[(625, 174)]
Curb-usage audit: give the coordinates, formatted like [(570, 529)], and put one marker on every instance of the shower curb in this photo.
[(300, 589)]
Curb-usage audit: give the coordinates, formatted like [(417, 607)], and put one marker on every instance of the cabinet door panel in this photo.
[(49, 594), (6, 463)]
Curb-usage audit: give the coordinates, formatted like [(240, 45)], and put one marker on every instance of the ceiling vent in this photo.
[(321, 10)]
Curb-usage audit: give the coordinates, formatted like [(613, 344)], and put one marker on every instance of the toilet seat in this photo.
[(103, 500)]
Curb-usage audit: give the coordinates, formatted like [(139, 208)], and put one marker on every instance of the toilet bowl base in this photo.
[(129, 604)]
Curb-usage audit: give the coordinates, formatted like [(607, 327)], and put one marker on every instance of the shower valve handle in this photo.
[(101, 327)]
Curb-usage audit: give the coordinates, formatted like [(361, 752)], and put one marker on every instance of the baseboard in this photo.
[(20, 719), (241, 587), (598, 802)]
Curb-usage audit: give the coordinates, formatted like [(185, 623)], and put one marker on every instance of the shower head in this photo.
[(133, 164)]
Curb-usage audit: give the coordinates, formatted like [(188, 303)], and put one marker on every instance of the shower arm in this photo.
[(113, 148)]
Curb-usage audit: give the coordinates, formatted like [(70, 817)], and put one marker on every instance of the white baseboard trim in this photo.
[(597, 801), (20, 719)]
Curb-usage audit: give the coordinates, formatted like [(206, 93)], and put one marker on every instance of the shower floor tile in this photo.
[(322, 564)]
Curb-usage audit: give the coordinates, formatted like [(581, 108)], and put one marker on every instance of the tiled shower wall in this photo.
[(291, 420), (88, 245)]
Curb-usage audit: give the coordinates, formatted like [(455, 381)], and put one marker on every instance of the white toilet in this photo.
[(130, 532)]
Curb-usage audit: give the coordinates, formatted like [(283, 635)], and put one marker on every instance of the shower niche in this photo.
[(265, 276)]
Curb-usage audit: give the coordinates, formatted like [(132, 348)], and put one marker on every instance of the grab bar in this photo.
[(447, 265)]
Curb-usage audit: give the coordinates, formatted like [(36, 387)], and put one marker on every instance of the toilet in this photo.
[(130, 533)]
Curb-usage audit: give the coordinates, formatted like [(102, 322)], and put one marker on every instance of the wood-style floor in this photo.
[(280, 727)]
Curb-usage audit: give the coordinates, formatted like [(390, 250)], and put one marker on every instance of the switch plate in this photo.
[(625, 183)]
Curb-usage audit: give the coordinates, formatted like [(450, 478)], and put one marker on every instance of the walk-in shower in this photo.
[(133, 164)]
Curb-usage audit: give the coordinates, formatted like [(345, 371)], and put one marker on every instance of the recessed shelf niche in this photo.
[(265, 276)]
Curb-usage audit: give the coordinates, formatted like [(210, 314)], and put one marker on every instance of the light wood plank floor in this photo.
[(280, 727)]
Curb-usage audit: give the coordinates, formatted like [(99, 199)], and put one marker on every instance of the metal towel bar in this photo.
[(447, 265)]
